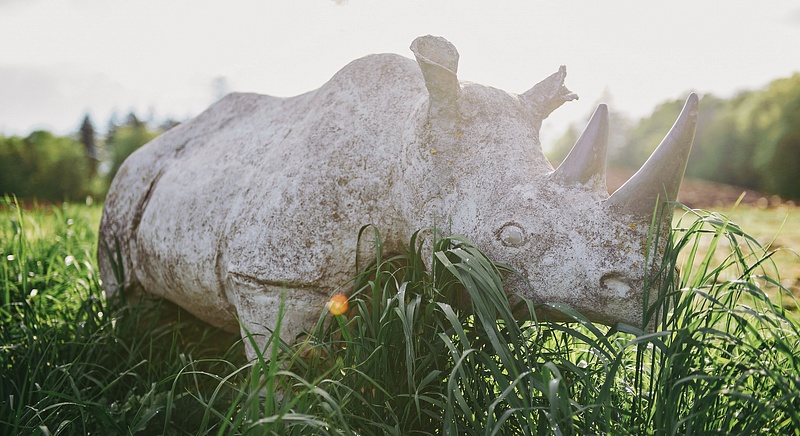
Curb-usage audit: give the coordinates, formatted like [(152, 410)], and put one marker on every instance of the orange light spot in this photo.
[(337, 305)]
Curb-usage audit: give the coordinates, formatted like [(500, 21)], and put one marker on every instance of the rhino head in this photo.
[(570, 241)]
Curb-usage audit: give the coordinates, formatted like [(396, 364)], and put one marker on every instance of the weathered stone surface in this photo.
[(260, 194)]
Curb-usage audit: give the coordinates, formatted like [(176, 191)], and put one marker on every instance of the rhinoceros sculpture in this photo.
[(261, 195)]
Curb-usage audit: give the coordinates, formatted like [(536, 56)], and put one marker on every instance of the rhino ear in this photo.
[(660, 177), (586, 162), (547, 95), (438, 60)]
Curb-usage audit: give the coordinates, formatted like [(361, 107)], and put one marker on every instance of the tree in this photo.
[(618, 126), (560, 149), (751, 140), (133, 121), (127, 139), (43, 166), (773, 116), (17, 163), (168, 124), (722, 148), (111, 128), (642, 139), (87, 138)]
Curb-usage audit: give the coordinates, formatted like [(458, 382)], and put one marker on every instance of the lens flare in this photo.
[(337, 305)]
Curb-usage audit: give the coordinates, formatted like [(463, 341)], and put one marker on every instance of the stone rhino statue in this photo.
[(261, 195)]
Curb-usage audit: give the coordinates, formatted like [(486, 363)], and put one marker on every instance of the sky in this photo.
[(61, 59)]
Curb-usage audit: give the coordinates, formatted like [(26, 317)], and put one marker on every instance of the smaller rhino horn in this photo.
[(586, 162), (659, 179), (548, 95)]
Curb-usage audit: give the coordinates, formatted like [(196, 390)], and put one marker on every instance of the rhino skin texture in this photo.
[(261, 195)]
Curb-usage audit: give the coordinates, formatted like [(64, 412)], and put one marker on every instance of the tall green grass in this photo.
[(434, 350), (71, 363)]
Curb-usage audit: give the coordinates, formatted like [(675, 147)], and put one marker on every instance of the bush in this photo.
[(43, 166)]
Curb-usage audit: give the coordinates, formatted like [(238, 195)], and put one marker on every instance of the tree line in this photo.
[(751, 140), (53, 168)]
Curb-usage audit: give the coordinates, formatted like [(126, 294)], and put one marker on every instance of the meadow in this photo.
[(777, 229), (724, 357)]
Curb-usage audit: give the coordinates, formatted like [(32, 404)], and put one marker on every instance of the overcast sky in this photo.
[(61, 59)]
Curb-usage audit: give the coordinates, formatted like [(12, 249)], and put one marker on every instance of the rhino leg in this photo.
[(258, 307)]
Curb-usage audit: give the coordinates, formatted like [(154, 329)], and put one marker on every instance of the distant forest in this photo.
[(751, 140), (51, 168)]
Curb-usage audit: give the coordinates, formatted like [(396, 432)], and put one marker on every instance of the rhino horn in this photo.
[(586, 162), (438, 60), (548, 95), (661, 176)]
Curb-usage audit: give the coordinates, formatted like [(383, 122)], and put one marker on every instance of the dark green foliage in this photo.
[(57, 168), (618, 126), (86, 135), (642, 139), (563, 145), (126, 140), (751, 140), (44, 166), (776, 128)]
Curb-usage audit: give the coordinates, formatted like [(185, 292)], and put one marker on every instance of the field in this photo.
[(777, 231), (724, 359), (773, 222)]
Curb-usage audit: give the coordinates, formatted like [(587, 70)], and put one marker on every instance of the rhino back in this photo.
[(272, 189), (167, 205), (334, 171)]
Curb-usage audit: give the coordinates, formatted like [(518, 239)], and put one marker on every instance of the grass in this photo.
[(70, 362), (776, 232), (420, 351)]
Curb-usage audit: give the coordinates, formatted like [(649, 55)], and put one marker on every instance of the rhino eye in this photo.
[(511, 235)]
